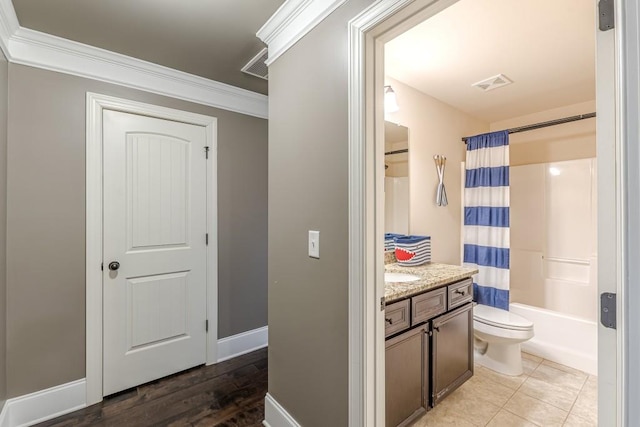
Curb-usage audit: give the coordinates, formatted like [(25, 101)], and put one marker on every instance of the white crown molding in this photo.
[(292, 21), (28, 47), (8, 25), (36, 49)]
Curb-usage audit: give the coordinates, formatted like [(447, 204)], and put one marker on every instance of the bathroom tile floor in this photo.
[(546, 394)]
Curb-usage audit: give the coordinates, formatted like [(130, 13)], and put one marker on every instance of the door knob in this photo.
[(114, 265)]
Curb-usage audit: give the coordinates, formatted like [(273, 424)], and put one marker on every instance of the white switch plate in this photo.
[(314, 244)]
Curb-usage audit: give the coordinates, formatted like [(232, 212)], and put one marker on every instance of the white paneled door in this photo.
[(154, 280)]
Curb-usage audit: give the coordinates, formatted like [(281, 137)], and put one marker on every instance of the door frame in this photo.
[(628, 18), (368, 32), (95, 105)]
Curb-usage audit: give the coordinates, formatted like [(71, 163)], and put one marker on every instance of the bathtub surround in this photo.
[(486, 217), (554, 259), (554, 280), (554, 237), (554, 213), (565, 328)]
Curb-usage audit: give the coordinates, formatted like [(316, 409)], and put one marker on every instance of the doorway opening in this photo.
[(564, 232)]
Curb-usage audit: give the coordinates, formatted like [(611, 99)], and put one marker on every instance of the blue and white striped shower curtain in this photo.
[(486, 217)]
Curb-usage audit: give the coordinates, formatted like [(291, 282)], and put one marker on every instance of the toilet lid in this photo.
[(500, 318)]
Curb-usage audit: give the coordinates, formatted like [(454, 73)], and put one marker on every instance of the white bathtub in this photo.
[(561, 338)]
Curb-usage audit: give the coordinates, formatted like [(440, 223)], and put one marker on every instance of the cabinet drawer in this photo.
[(428, 305), (460, 293), (396, 317)]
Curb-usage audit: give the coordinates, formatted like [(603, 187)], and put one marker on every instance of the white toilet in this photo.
[(498, 334)]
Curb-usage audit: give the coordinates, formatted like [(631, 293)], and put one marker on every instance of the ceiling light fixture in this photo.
[(390, 100)]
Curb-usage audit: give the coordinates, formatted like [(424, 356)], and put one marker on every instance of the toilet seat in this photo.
[(502, 319)]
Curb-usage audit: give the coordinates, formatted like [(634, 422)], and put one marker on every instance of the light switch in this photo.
[(314, 244)]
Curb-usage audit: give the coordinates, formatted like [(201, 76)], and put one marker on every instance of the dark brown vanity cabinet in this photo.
[(452, 351), (429, 356), (406, 376)]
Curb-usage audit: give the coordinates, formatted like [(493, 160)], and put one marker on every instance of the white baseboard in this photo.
[(246, 342), (3, 414), (44, 404), (275, 415), (56, 401)]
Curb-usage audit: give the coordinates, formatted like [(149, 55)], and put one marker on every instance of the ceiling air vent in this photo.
[(492, 83), (257, 67)]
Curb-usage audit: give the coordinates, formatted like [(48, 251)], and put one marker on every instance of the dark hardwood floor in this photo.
[(228, 394)]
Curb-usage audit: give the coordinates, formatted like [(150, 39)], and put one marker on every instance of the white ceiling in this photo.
[(208, 38), (546, 47)]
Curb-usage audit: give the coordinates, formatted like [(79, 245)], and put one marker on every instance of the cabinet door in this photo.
[(407, 362), (452, 362)]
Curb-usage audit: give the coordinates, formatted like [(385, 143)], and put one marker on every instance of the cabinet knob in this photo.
[(459, 292), (388, 320)]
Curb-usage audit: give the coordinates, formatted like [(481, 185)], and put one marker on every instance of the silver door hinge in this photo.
[(608, 310), (206, 325), (606, 15), (206, 239), (206, 151)]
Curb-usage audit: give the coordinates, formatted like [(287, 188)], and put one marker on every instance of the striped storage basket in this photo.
[(390, 241), (413, 250)]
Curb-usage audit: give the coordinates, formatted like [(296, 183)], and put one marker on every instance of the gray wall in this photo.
[(308, 190), (46, 223), (3, 222)]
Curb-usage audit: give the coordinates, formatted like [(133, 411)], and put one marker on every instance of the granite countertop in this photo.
[(433, 276)]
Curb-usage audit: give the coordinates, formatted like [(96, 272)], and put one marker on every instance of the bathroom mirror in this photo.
[(396, 180)]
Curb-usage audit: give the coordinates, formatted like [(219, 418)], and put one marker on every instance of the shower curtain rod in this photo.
[(405, 150), (545, 124)]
